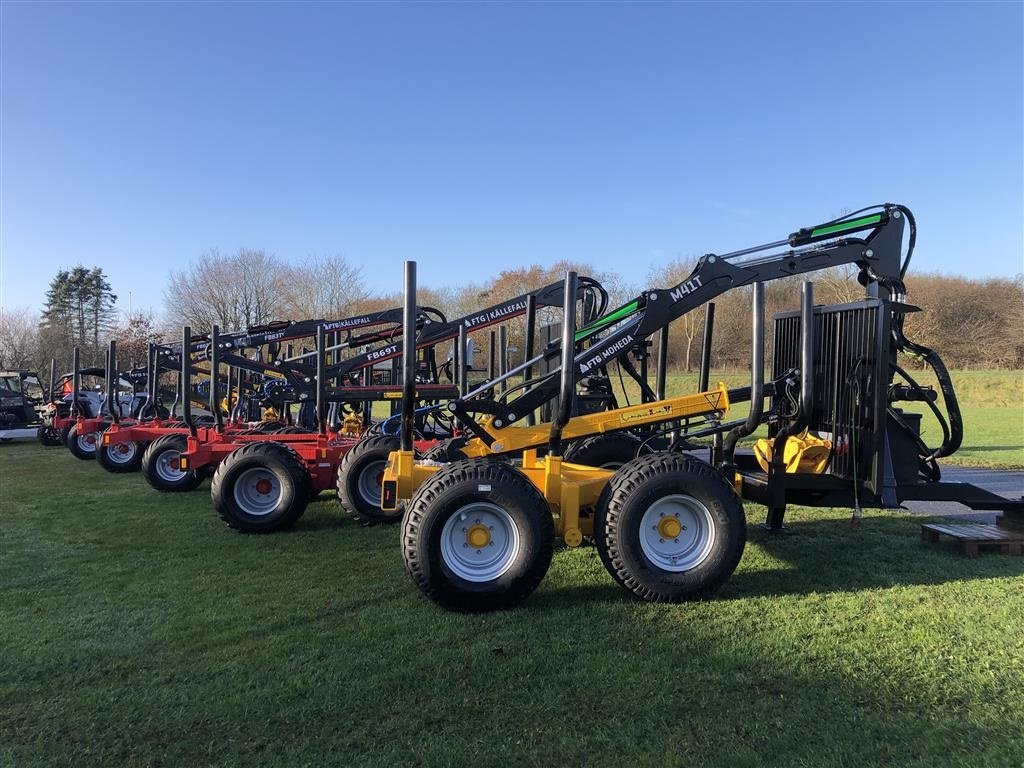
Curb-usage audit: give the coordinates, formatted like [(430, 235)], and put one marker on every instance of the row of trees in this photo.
[(252, 287), (972, 323), (79, 311)]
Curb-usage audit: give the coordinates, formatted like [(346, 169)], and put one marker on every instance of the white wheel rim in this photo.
[(369, 482), (87, 442), (257, 491), (167, 466), (694, 530), (122, 453), (485, 560)]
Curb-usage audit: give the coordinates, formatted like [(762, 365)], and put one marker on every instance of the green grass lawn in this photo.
[(136, 630)]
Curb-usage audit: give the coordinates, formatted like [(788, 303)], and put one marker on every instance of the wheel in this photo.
[(123, 457), (669, 527), (291, 431), (268, 427), (608, 451), (359, 479), (477, 536), (160, 465), (48, 436), (83, 446), (261, 488)]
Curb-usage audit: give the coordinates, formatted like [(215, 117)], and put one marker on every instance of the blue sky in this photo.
[(480, 137)]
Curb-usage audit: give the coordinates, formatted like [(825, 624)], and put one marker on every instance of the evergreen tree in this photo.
[(79, 310)]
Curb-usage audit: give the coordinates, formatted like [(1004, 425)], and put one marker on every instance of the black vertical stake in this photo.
[(113, 380), (105, 402), (502, 356), (661, 372), (457, 357), (321, 381), (408, 356), (76, 380), (528, 346), (368, 405), (756, 384), (152, 382), (705, 349), (53, 379), (229, 396), (705, 375), (465, 360), (186, 380), (642, 347), (173, 412), (492, 368), (218, 421), (237, 409), (567, 390)]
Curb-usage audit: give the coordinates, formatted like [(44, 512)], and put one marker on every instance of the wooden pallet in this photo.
[(973, 537)]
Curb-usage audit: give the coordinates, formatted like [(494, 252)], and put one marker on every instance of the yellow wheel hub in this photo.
[(478, 536), (669, 528)]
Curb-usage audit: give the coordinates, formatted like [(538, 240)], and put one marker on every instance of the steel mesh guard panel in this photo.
[(846, 354)]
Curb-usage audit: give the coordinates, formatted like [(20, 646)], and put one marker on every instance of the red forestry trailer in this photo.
[(264, 483)]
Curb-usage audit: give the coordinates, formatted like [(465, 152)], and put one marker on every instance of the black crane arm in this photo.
[(877, 253)]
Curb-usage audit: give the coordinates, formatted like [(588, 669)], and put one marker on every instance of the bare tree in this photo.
[(322, 286), (19, 337), (232, 291), (839, 284), (134, 336)]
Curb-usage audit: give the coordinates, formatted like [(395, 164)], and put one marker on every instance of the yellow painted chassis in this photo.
[(567, 488)]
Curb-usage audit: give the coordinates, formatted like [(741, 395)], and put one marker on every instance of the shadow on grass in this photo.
[(823, 556)]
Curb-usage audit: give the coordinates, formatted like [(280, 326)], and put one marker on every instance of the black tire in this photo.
[(477, 487), (159, 465), (48, 436), (291, 431), (84, 447), (701, 497), (121, 458), (268, 427), (359, 480), (238, 488), (608, 451)]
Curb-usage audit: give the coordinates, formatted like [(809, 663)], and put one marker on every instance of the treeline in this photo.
[(971, 323), (80, 310)]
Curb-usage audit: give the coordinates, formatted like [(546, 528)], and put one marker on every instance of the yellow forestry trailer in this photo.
[(481, 516)]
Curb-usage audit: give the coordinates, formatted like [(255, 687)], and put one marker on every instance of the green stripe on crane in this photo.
[(843, 226)]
